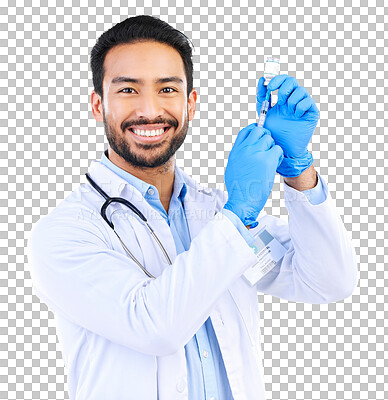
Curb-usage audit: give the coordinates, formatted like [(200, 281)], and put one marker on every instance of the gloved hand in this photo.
[(250, 172), (291, 121)]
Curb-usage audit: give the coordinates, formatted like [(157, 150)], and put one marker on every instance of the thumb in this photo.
[(261, 93)]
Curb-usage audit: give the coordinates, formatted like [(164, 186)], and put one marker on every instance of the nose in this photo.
[(149, 106)]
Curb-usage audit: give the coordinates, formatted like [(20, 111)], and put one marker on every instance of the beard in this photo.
[(158, 153)]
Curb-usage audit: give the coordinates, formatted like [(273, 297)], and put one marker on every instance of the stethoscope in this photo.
[(108, 202)]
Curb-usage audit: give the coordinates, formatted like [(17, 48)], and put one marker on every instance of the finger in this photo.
[(255, 135), (261, 91), (296, 96), (305, 106), (264, 143), (285, 90), (276, 82), (279, 154), (314, 108), (244, 133)]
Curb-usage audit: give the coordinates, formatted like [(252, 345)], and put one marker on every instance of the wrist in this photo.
[(308, 179)]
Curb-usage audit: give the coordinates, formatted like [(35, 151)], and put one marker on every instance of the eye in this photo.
[(122, 90), (169, 88)]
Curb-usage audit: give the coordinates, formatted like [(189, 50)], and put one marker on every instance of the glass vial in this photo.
[(271, 69)]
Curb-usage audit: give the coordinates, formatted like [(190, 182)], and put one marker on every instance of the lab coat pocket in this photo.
[(245, 298)]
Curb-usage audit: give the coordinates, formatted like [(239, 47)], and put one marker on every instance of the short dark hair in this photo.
[(139, 29)]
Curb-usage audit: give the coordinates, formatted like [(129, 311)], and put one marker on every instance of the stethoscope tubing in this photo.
[(135, 210)]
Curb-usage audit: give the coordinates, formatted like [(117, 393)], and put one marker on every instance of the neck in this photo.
[(161, 177)]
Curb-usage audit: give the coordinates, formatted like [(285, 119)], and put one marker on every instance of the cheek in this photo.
[(115, 111), (182, 113)]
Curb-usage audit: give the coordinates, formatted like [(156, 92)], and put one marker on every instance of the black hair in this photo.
[(139, 29)]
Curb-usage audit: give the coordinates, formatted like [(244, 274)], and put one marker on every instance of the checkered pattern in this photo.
[(334, 48)]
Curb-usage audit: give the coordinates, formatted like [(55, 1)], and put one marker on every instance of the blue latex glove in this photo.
[(250, 172), (291, 120)]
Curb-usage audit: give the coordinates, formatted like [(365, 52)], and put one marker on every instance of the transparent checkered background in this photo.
[(336, 49)]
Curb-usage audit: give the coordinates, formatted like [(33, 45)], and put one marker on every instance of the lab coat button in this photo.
[(151, 191), (205, 353), (180, 386)]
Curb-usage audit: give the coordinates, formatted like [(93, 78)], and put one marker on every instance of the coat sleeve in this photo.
[(76, 272), (320, 263)]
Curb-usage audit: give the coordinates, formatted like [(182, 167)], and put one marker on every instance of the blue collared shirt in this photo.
[(206, 374)]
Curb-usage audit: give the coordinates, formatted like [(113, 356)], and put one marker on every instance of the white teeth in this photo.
[(155, 132)]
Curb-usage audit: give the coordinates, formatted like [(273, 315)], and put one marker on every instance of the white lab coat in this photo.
[(123, 334)]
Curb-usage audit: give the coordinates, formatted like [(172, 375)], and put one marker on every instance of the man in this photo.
[(187, 325)]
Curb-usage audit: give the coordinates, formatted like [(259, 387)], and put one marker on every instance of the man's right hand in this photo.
[(250, 172)]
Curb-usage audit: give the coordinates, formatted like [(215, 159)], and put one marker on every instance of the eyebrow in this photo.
[(120, 79)]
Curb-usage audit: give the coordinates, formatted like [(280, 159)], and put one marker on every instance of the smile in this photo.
[(149, 133), (149, 136)]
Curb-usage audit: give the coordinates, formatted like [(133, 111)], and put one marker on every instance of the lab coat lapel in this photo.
[(199, 204)]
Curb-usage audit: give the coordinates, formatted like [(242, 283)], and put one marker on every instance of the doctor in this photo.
[(192, 330)]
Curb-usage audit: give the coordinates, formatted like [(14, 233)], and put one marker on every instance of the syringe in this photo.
[(271, 69), (264, 110)]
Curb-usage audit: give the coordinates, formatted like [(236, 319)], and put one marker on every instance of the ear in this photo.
[(97, 107), (191, 104)]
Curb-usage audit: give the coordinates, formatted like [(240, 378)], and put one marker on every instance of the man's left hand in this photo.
[(291, 121)]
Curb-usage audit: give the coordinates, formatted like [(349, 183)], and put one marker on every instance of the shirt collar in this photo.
[(147, 190)]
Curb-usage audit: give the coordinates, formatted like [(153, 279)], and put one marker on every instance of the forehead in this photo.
[(144, 60)]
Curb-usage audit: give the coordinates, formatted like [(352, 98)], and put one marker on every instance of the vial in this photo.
[(271, 69)]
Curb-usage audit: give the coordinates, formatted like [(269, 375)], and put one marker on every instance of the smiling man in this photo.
[(152, 278), (146, 119)]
